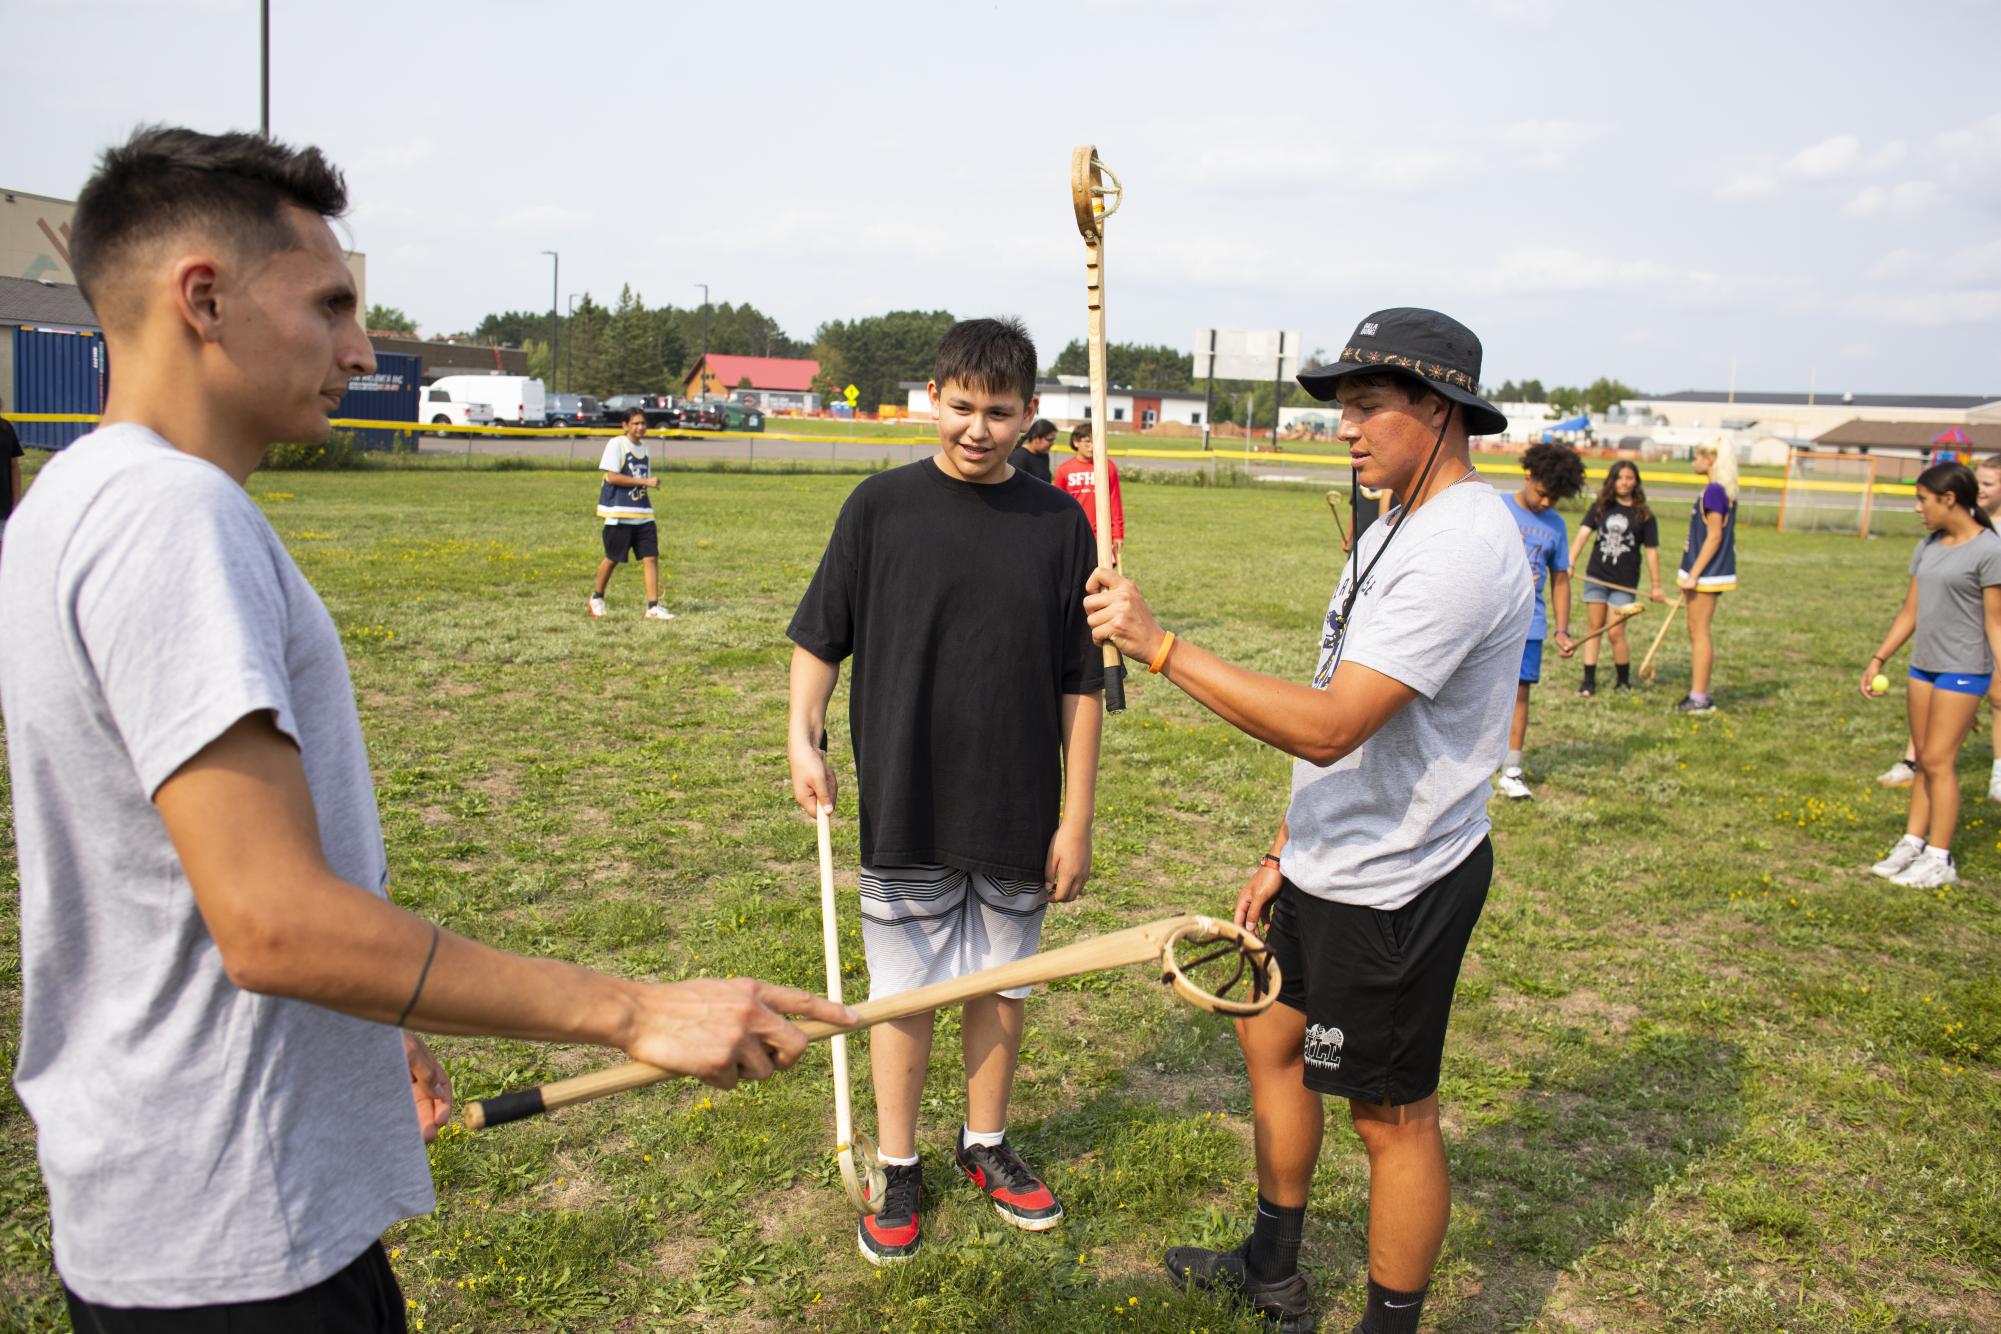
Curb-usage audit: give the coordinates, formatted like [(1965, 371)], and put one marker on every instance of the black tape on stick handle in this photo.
[(511, 1107), (1115, 688)]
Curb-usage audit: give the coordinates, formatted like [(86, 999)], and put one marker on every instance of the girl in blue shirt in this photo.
[(1708, 566)]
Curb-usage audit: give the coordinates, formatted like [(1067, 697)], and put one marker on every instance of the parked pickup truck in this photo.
[(659, 409), (437, 407)]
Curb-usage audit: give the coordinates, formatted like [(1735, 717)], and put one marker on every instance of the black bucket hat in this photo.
[(1423, 343)]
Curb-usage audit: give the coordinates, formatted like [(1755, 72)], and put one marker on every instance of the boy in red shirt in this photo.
[(1078, 479)]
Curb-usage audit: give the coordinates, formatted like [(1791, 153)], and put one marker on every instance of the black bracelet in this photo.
[(422, 975), (1269, 859)]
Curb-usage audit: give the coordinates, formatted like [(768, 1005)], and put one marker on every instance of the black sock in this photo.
[(653, 602), (1390, 1311), (1625, 671), (1274, 1250), (1590, 676)]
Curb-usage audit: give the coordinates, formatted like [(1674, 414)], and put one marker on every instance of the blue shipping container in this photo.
[(57, 370), (389, 395)]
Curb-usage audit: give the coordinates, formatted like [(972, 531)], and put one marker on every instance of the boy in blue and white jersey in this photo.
[(627, 511), (1554, 473)]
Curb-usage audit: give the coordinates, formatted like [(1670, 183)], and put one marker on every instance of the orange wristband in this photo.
[(1160, 658)]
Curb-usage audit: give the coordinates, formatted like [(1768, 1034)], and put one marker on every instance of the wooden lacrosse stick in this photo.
[(1623, 588), (1094, 201), (861, 1162), (1647, 663), (1334, 499), (1620, 615), (1210, 939)]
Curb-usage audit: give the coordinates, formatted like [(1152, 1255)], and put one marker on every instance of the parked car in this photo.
[(659, 409), (742, 416), (573, 410), (438, 407), (702, 417), (516, 400)]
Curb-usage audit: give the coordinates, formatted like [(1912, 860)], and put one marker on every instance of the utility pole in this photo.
[(264, 68), (569, 349), (555, 302), (704, 363)]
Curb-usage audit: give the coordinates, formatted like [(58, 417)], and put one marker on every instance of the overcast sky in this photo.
[(1643, 191)]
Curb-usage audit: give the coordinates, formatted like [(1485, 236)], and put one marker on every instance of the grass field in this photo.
[(1705, 1072)]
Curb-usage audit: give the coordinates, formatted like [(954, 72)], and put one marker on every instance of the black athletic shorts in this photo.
[(361, 1299), (1375, 986), (631, 539)]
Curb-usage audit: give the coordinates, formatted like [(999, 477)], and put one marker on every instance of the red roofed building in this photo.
[(776, 383)]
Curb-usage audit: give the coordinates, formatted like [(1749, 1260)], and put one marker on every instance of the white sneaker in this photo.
[(1902, 772), (1994, 788), (1511, 785), (597, 606), (1901, 856), (1928, 871), (656, 612)]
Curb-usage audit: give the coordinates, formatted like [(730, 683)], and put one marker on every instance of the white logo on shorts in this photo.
[(1323, 1046)]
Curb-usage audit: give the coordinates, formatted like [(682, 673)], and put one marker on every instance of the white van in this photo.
[(439, 408), (516, 400)]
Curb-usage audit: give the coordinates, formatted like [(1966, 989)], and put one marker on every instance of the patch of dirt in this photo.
[(434, 815), (679, 1255), (800, 1208), (501, 784), (572, 1187), (1588, 1009)]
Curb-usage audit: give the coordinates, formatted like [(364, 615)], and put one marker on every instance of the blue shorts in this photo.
[(1531, 662), (1959, 683), (1617, 597)]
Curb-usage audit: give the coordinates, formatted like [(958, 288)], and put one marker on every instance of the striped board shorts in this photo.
[(924, 924)]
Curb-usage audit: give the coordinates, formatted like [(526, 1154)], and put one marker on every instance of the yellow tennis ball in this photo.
[(1880, 684)]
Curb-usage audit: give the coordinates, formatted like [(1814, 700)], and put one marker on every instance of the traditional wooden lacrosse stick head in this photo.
[(1218, 966), (863, 1174), (1089, 195)]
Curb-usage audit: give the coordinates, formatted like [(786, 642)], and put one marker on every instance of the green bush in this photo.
[(341, 451)]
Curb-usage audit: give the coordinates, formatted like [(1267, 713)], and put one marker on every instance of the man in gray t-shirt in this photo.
[(1378, 872), (228, 1107)]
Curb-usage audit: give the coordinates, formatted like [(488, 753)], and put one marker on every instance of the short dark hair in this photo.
[(1555, 468), (1413, 388), (991, 355), (165, 178), (1042, 429), (1081, 431), (634, 411)]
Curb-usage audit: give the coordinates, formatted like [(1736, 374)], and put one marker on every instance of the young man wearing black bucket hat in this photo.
[(1379, 870)]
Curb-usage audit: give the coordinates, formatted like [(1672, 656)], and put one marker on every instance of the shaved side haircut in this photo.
[(165, 179)]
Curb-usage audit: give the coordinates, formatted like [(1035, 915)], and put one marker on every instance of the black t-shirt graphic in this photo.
[(963, 608), (1615, 557)]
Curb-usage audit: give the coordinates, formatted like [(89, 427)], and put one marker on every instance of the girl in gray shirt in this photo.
[(1952, 615)]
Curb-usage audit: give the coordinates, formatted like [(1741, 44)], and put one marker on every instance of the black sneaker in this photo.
[(1288, 1302), (1622, 685), (892, 1235), (1587, 689), (1017, 1192)]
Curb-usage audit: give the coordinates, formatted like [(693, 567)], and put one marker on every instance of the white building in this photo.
[(1066, 400)]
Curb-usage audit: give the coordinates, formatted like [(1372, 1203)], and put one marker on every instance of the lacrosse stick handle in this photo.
[(1153, 941), (1647, 663), (1638, 609), (1087, 197), (1622, 588)]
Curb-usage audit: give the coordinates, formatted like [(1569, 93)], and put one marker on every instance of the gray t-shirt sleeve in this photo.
[(1990, 562), (201, 536), (1434, 608)]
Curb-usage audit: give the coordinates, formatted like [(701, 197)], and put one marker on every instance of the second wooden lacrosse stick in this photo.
[(1647, 663), (861, 1163), (1094, 201), (1620, 615), (1334, 500), (1204, 959)]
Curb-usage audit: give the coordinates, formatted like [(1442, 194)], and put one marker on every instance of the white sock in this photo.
[(1943, 854), (1513, 762), (1911, 839), (891, 1160), (990, 1138), (1997, 768)]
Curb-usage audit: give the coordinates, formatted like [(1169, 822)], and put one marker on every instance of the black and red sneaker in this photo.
[(1017, 1193), (892, 1235)]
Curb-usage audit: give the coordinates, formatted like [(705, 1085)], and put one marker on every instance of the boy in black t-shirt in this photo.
[(957, 585)]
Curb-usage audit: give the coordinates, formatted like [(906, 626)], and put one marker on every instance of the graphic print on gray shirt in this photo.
[(201, 1143)]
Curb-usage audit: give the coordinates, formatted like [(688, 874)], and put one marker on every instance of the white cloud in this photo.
[(1749, 180), (1899, 200), (1552, 143), (1841, 158), (1933, 309), (541, 218), (1388, 169), (1898, 264), (1976, 263), (1972, 152)]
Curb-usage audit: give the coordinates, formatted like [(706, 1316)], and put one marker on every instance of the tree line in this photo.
[(630, 347)]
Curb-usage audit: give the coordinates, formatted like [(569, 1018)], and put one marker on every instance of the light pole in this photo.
[(264, 68), (555, 286), (705, 336), (569, 348)]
